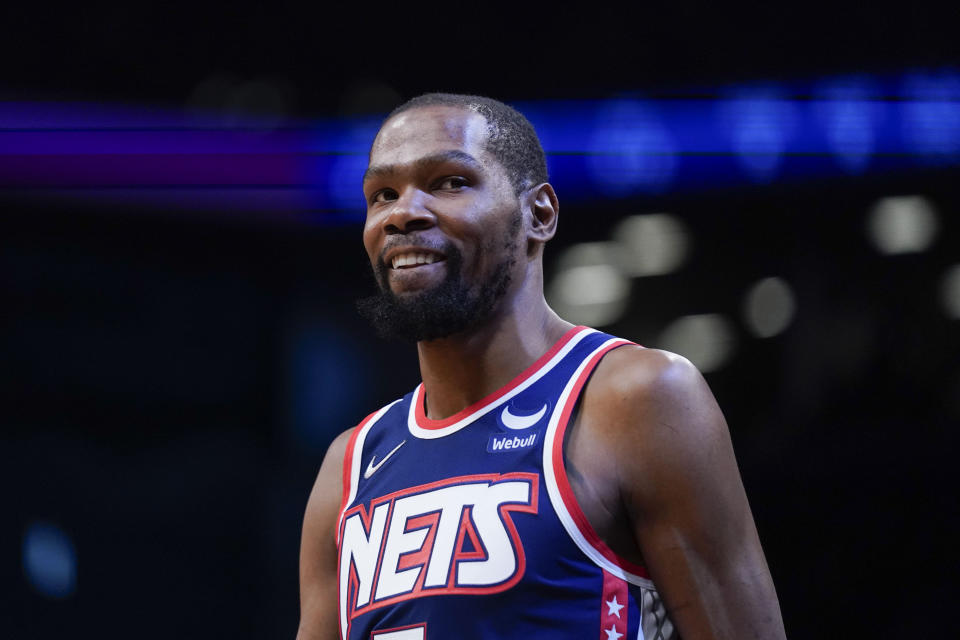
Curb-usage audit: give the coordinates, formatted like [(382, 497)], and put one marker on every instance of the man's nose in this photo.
[(409, 213)]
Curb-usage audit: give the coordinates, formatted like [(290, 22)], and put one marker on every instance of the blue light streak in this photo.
[(597, 149)]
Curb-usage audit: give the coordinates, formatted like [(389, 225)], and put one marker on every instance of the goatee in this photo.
[(449, 308)]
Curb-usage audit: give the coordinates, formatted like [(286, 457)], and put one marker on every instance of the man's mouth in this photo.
[(411, 259)]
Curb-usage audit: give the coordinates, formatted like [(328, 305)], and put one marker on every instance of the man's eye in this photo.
[(452, 182), (384, 195)]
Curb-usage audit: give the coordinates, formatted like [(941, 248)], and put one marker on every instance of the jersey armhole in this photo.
[(351, 462), (566, 505)]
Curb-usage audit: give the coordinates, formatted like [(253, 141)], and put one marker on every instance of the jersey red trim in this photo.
[(560, 471), (614, 607), (382, 632), (424, 422)]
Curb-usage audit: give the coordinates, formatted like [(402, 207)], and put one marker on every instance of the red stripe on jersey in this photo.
[(613, 608), (563, 483), (383, 634)]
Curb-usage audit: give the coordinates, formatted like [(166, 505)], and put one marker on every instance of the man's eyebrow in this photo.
[(380, 170)]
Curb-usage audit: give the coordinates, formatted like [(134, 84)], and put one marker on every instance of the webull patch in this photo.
[(508, 442)]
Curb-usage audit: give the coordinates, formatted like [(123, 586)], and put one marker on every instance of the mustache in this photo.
[(381, 270)]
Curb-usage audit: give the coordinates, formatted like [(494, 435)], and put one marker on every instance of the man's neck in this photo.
[(461, 370)]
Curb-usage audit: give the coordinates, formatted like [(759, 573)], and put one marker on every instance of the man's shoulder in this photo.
[(338, 447), (635, 372), (636, 391)]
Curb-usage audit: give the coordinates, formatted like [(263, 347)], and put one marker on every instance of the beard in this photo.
[(450, 308)]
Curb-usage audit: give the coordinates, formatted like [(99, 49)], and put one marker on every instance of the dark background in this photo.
[(170, 380)]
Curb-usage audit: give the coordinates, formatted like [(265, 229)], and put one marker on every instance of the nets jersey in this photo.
[(467, 527)]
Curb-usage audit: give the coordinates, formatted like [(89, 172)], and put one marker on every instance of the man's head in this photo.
[(511, 138), (457, 213)]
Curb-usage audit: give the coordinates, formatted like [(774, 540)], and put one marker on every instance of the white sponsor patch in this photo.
[(510, 442)]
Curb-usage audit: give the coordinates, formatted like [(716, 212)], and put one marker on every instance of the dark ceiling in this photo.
[(327, 58)]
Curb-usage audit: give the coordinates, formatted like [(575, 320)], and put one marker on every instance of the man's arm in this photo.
[(318, 548), (680, 486)]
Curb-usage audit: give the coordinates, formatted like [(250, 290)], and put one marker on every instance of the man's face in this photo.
[(443, 224)]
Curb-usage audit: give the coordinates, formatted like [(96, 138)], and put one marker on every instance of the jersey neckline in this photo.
[(424, 427)]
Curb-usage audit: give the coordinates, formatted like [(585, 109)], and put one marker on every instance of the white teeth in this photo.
[(407, 259)]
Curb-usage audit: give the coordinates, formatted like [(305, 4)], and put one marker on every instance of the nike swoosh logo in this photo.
[(511, 421), (373, 468)]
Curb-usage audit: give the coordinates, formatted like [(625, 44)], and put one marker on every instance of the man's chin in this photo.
[(410, 296), (417, 315), (437, 310)]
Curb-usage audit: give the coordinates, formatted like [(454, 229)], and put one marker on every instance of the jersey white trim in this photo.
[(553, 489), (430, 434)]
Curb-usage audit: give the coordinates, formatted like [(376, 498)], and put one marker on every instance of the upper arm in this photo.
[(684, 498), (318, 548)]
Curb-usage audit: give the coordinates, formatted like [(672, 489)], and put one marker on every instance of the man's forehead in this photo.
[(424, 130), (422, 162)]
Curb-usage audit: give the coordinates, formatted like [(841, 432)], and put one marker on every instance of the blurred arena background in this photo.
[(772, 191)]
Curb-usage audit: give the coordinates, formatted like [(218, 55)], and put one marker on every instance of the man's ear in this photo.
[(544, 209)]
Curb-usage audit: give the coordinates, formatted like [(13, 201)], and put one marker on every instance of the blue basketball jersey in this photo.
[(468, 528)]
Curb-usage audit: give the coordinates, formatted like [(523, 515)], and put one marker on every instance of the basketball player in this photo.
[(544, 480)]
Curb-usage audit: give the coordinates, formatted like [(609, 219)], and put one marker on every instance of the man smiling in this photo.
[(544, 480)]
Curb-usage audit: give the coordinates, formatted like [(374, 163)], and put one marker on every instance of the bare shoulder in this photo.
[(329, 483), (651, 390), (633, 368), (657, 417), (338, 448)]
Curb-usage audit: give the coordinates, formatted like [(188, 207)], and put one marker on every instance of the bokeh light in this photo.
[(760, 122), (769, 307), (902, 224), (588, 287), (49, 560), (850, 115), (631, 150), (653, 244), (707, 340), (950, 291)]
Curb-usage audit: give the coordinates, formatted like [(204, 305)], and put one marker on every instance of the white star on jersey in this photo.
[(612, 633), (613, 607)]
